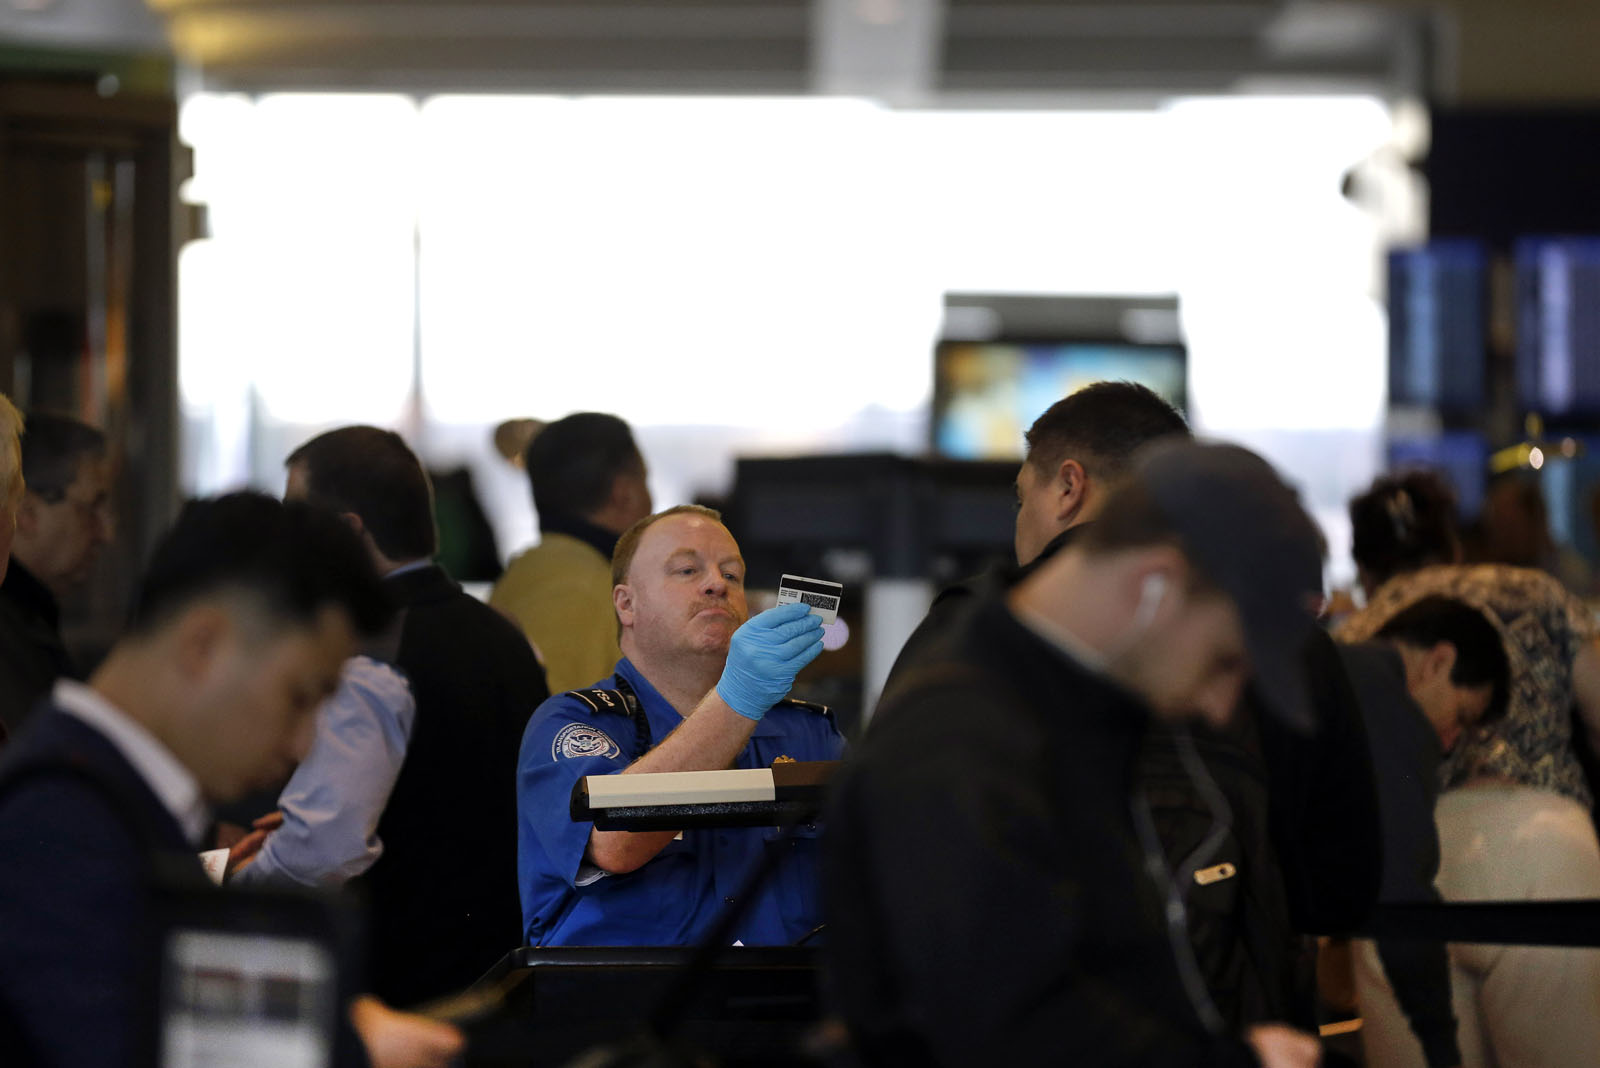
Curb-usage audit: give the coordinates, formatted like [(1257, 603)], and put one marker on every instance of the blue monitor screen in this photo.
[(1438, 325), (987, 394), (1558, 325)]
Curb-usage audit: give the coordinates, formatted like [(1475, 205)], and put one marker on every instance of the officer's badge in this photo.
[(581, 740)]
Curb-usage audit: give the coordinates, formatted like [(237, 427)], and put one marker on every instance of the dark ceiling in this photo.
[(949, 52)]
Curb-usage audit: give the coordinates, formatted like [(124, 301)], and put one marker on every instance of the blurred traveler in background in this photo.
[(246, 613), (1514, 816), (65, 517), (1406, 547), (443, 892), (1436, 670), (1514, 528), (588, 481), (996, 889)]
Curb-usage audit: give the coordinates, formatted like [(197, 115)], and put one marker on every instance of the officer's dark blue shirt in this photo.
[(675, 897)]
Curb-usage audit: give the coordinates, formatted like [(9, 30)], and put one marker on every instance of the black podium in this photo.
[(755, 1006)]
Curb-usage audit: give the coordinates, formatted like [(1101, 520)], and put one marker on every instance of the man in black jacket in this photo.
[(995, 887), (443, 895), (1303, 836), (243, 619)]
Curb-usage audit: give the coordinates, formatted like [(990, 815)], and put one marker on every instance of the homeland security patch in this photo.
[(581, 740)]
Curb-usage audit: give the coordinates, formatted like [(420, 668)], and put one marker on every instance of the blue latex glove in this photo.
[(765, 655)]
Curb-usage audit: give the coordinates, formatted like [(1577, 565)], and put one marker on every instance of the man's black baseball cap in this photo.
[(1244, 529)]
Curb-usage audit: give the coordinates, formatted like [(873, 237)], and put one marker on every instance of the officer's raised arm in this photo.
[(764, 656)]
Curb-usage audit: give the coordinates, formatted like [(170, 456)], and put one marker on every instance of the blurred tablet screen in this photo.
[(246, 1001), (986, 394)]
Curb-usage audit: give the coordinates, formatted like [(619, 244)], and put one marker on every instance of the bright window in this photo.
[(738, 276)]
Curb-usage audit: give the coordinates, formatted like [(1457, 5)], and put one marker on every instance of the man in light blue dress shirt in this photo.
[(331, 805)]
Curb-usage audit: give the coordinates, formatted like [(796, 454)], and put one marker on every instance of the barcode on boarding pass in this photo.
[(820, 595)]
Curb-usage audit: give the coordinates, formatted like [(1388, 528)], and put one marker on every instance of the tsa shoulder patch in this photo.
[(583, 740), (600, 700)]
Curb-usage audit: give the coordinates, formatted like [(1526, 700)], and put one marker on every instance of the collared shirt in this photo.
[(602, 540), (678, 894), (332, 802), (168, 779), (409, 566)]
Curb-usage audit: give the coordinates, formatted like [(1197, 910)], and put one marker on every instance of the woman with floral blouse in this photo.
[(1515, 818)]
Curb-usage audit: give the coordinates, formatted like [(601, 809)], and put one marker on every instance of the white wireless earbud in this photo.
[(1151, 594)]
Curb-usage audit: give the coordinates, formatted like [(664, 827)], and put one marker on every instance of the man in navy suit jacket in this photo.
[(247, 613), (442, 897)]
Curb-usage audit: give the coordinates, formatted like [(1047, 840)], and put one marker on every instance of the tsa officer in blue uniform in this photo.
[(700, 687)]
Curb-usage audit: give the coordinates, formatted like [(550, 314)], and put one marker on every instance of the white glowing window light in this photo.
[(732, 263), (300, 306), (758, 275)]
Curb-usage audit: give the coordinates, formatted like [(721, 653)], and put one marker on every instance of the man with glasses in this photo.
[(63, 520)]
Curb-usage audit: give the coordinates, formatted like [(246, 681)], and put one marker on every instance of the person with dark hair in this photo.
[(372, 476), (1455, 665), (995, 888), (1513, 813), (245, 614), (1077, 451), (700, 687), (1406, 546), (443, 890), (63, 519), (1435, 670), (589, 485), (1402, 523)]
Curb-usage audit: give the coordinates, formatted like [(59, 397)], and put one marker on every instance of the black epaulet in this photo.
[(600, 700), (810, 706), (623, 703)]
